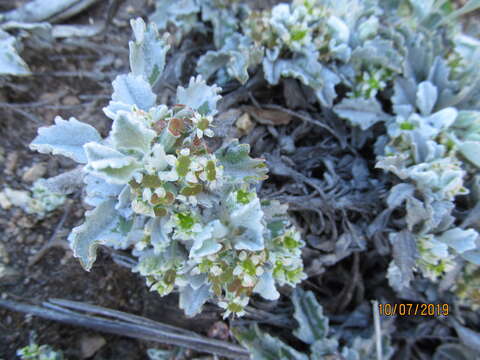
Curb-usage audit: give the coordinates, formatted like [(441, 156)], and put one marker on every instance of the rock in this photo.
[(7, 273), (89, 345), (219, 330), (11, 163), (118, 63), (34, 173), (48, 97), (245, 124), (4, 202), (20, 198), (70, 100)]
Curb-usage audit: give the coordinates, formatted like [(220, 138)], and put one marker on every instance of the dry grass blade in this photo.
[(134, 319), (147, 331)]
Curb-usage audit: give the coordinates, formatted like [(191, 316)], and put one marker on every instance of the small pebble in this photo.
[(34, 173), (11, 163)]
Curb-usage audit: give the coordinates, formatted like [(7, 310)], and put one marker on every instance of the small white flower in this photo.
[(193, 200), (195, 165), (216, 270), (259, 271), (242, 256), (196, 117), (138, 176), (255, 259), (223, 304), (190, 177), (171, 160), (248, 281), (199, 133), (182, 198), (185, 152), (168, 175), (243, 301), (209, 133), (147, 194), (160, 192), (238, 270), (197, 228)]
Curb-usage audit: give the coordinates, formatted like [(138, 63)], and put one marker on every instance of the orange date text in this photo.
[(388, 309)]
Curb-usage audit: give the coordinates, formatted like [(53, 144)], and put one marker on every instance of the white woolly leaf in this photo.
[(206, 242), (399, 193), (10, 62), (173, 11), (472, 256), (313, 325), (159, 233), (361, 112), (471, 151), (459, 239), (211, 62), (427, 94), (65, 138), (262, 346), (110, 164), (129, 133), (306, 69), (378, 52), (199, 96), (147, 52), (98, 228), (191, 300), (249, 217), (404, 251), (98, 190), (432, 125), (238, 166), (266, 286), (133, 90)]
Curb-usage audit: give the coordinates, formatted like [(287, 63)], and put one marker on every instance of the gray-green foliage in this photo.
[(191, 216), (11, 62), (34, 351), (406, 65), (313, 330), (40, 200)]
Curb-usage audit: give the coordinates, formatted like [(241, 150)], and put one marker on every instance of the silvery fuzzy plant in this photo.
[(11, 63), (432, 146), (322, 43), (39, 201), (191, 216), (33, 351), (414, 49)]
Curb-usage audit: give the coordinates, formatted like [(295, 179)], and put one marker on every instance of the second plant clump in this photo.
[(191, 215)]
